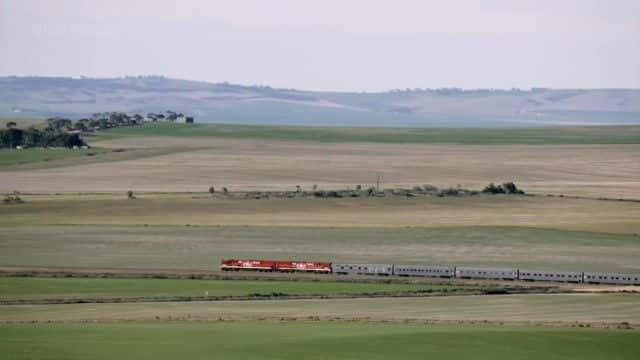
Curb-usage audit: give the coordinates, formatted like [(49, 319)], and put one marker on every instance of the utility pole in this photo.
[(378, 177)]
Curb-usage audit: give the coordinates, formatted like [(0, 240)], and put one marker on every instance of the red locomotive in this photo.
[(275, 265), (305, 266), (257, 265)]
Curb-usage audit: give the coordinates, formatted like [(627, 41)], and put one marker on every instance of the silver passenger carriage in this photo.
[(424, 270), (561, 276), (612, 278), (363, 269), (486, 273)]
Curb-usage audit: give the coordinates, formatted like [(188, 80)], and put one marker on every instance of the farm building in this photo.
[(184, 119)]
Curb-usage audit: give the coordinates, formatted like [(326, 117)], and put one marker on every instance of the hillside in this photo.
[(31, 97)]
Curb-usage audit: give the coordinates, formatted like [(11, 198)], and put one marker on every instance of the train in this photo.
[(429, 271)]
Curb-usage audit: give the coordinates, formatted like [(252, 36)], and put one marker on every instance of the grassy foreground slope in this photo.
[(249, 340), (533, 136)]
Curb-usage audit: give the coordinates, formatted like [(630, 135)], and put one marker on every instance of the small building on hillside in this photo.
[(184, 119)]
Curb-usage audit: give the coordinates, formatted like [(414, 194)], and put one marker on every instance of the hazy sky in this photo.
[(330, 44)]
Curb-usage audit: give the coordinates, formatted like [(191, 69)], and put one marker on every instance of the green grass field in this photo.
[(488, 136), (25, 156), (65, 288), (33, 159), (309, 340), (202, 247)]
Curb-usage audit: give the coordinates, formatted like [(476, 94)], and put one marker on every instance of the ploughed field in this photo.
[(309, 340)]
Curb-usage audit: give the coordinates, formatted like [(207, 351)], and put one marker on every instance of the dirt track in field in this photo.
[(587, 170)]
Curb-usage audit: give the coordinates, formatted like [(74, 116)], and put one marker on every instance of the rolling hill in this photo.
[(30, 97)]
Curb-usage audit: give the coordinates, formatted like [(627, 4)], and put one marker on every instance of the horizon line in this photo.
[(415, 89)]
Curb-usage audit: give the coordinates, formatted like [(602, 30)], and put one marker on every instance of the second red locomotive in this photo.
[(276, 265)]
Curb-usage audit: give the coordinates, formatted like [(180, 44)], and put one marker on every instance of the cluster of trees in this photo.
[(506, 188), (12, 137), (104, 121)]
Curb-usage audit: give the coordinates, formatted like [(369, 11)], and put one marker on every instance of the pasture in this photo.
[(477, 136), (542, 309), (308, 340), (97, 288), (12, 158), (59, 158)]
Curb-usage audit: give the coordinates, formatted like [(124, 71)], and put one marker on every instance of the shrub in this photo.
[(511, 188), (12, 199), (492, 189), (506, 188), (429, 188)]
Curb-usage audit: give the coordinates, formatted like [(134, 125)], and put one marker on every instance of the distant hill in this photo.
[(227, 103)]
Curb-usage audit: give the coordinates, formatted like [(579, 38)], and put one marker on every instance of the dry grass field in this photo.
[(585, 170), (202, 247), (486, 210)]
